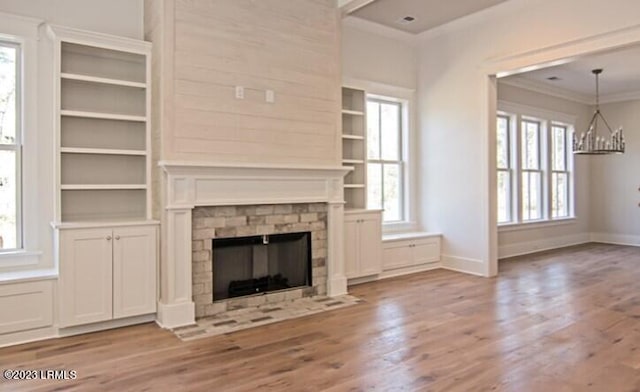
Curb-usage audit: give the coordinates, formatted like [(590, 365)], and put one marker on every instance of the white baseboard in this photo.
[(88, 328), (523, 248), (15, 338), (464, 265), (616, 239)]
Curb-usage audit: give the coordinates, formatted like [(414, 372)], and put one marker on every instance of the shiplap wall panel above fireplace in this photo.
[(203, 49)]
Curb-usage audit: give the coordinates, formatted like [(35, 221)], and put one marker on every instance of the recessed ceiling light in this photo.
[(406, 20)]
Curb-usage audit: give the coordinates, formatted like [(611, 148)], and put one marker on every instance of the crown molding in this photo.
[(620, 97), (380, 30), (543, 88), (349, 6), (585, 99)]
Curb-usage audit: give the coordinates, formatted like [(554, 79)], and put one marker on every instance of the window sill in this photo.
[(27, 276), (19, 258), (533, 225)]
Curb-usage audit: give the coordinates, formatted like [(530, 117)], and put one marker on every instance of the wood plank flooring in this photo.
[(566, 320)]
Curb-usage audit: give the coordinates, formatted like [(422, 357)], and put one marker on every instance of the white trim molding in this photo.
[(190, 184), (523, 248), (616, 239), (465, 265)]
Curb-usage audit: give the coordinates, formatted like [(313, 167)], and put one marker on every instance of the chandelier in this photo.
[(591, 142)]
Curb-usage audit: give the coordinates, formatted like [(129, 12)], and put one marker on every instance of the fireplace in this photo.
[(260, 264), (246, 256), (203, 200)]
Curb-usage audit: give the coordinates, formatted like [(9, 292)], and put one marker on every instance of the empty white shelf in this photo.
[(105, 116), (103, 151), (95, 79), (92, 187)]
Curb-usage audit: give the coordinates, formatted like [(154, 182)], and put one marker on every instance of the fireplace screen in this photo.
[(259, 264)]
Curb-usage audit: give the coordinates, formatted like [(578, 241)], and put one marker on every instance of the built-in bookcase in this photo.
[(354, 146), (103, 156)]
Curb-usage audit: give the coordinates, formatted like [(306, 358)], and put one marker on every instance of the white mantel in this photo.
[(187, 185)]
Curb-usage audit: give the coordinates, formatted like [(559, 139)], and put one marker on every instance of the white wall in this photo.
[(117, 17), (533, 237), (454, 106), (375, 57), (384, 61), (615, 190)]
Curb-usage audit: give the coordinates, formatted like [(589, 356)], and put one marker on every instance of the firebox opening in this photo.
[(260, 264)]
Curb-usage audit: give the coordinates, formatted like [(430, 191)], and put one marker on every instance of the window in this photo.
[(559, 172), (531, 171), (10, 233), (385, 165), (505, 170), (534, 168)]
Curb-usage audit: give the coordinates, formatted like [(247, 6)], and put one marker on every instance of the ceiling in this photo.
[(427, 13), (621, 75)]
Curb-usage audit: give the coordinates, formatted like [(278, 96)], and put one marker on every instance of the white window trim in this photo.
[(547, 117), (35, 252), (410, 148), (16, 147)]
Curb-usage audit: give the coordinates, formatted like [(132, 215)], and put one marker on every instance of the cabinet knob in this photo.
[(117, 237), (108, 238)]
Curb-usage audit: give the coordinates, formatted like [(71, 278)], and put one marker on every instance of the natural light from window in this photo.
[(9, 147), (384, 158), (534, 169)]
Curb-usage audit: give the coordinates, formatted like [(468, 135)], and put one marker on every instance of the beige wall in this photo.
[(376, 58), (117, 17), (615, 190), (530, 238), (209, 47)]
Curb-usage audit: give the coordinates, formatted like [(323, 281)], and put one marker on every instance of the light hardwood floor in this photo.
[(566, 320)]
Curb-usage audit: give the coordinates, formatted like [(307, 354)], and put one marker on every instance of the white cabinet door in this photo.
[(134, 271), (398, 256), (85, 282), (370, 236), (351, 248), (427, 251)]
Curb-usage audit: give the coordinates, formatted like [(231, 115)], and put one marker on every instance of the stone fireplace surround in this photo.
[(187, 185), (241, 221)]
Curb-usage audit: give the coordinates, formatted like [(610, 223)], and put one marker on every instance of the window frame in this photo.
[(16, 147), (36, 137), (539, 164), (568, 169), (400, 162), (517, 114), (509, 169)]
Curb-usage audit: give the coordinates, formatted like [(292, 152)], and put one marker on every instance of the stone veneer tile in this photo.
[(283, 209), (264, 210), (310, 217), (255, 220), (224, 211), (226, 232)]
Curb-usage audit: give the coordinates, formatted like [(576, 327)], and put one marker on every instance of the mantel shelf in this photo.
[(353, 161), (95, 79)]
